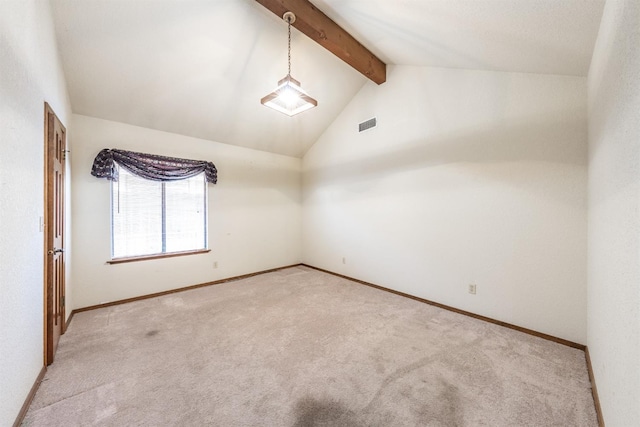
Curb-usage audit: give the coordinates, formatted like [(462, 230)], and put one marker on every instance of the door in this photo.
[(55, 151)]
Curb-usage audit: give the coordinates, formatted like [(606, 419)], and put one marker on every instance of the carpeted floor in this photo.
[(298, 347)]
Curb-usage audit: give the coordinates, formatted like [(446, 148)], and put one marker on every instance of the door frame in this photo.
[(48, 294)]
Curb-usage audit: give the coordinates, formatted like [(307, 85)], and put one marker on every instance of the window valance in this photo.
[(150, 166)]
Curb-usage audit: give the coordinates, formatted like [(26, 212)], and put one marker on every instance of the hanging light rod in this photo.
[(321, 29), (288, 97)]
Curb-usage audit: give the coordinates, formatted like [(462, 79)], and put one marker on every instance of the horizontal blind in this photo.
[(185, 215), (145, 221)]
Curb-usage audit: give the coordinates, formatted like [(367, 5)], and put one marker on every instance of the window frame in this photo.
[(163, 254)]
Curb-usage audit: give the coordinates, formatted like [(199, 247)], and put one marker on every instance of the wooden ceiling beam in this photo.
[(320, 28)]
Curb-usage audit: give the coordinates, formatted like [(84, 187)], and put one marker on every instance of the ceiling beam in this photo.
[(320, 28)]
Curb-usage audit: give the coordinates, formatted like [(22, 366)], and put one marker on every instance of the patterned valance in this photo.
[(150, 166)]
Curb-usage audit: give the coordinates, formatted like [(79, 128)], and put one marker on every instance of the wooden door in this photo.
[(55, 153)]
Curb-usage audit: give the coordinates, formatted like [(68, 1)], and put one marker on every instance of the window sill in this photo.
[(156, 256)]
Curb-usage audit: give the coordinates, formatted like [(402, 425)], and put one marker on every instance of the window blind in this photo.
[(153, 217)]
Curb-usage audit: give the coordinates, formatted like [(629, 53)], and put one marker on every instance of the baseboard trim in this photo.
[(594, 389), (66, 325), (173, 291), (29, 399), (457, 310)]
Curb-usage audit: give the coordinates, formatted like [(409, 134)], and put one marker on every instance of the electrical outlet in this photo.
[(215, 264), (472, 288), (344, 260)]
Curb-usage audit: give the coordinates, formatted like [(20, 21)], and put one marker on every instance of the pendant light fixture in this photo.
[(289, 98)]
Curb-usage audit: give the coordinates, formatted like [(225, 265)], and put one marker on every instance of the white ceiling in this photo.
[(530, 36), (200, 67)]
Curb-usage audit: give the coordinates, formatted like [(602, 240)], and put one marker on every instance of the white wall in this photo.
[(254, 214), (614, 213), (470, 176), (30, 74)]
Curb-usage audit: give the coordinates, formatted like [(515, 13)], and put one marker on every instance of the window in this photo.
[(154, 218)]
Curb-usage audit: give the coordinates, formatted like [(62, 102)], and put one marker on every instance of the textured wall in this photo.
[(30, 74), (614, 213), (254, 214), (470, 176)]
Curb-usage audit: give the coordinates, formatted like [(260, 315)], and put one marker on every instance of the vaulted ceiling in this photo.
[(200, 67)]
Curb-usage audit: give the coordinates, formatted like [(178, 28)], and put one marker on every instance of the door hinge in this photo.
[(64, 154), (63, 301)]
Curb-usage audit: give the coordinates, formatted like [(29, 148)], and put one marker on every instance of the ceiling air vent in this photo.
[(367, 124)]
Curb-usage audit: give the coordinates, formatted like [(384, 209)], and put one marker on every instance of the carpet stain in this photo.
[(311, 412), (446, 409), (152, 333)]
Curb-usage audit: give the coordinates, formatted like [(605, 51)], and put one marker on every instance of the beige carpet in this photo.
[(298, 347)]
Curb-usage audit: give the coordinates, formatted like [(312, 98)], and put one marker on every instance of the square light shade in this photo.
[(289, 98)]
